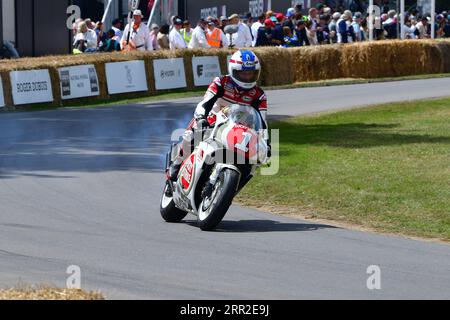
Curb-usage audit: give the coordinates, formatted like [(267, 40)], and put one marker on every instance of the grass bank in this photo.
[(386, 168)]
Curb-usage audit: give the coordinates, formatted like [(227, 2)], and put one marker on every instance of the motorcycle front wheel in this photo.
[(214, 207), (169, 212)]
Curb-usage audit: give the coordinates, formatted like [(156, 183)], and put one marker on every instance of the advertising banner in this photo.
[(78, 82), (32, 86), (169, 74), (128, 76), (205, 69)]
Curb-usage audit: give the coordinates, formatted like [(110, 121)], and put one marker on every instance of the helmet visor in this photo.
[(246, 76)]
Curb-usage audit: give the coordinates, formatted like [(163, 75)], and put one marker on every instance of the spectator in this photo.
[(300, 32), (320, 7), (223, 23), (111, 43), (312, 25), (242, 38), (89, 24), (117, 27), (176, 40), (440, 26), (289, 22), (186, 32), (408, 29), (163, 37), (390, 25), (101, 36), (298, 9), (265, 34), (332, 27), (290, 39), (342, 28), (75, 26), (137, 36), (215, 37), (199, 36), (312, 17), (447, 27), (422, 28), (322, 30), (154, 30), (356, 24), (311, 34), (255, 27), (278, 33), (85, 39)]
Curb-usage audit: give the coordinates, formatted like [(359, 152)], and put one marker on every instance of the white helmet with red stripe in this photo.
[(244, 68)]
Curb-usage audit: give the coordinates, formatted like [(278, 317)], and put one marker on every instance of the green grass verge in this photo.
[(384, 167)]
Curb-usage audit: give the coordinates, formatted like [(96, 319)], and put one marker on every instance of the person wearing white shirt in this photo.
[(139, 35), (86, 39), (198, 39), (409, 30), (176, 40), (242, 38), (255, 27)]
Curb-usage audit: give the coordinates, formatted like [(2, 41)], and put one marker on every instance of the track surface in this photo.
[(82, 187)]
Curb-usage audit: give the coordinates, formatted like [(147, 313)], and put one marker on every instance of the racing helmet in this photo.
[(244, 68)]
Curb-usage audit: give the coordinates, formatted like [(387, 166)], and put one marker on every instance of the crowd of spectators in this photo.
[(317, 26)]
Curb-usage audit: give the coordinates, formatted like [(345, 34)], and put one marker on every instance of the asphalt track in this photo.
[(82, 187)]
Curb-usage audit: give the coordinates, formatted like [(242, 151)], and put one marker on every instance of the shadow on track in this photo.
[(243, 226)]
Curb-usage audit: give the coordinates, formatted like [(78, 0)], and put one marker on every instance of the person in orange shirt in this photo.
[(215, 36)]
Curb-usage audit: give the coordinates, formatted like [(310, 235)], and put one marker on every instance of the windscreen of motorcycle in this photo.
[(242, 132), (246, 116)]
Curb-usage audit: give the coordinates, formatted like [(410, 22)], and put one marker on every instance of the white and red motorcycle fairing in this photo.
[(220, 166)]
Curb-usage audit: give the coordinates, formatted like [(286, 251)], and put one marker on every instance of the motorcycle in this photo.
[(222, 163)]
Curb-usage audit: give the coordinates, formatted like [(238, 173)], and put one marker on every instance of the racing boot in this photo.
[(174, 169)]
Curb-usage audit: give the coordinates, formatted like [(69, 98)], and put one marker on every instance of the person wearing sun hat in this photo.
[(136, 37), (289, 22), (242, 38)]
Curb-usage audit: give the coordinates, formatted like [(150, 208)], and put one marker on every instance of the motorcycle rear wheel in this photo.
[(213, 209)]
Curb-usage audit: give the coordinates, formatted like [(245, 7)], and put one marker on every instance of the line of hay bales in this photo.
[(280, 66)]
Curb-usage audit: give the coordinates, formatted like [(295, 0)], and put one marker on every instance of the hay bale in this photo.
[(444, 50), (48, 293), (390, 59), (277, 66), (7, 92), (315, 63)]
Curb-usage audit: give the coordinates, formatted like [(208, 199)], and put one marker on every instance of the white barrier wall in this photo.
[(32, 86), (78, 82), (169, 73), (2, 99), (128, 76), (205, 69)]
